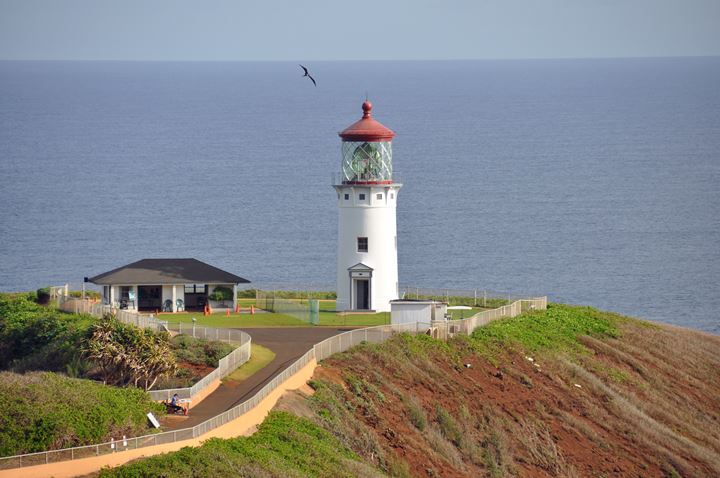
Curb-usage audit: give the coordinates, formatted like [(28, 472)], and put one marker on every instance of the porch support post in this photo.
[(234, 297), (112, 296), (173, 308)]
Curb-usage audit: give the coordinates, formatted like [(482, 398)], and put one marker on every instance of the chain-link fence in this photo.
[(469, 297), (271, 301)]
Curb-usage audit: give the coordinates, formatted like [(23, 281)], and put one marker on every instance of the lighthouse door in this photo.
[(362, 294)]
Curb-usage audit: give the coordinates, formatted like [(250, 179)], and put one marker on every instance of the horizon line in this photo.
[(118, 60)]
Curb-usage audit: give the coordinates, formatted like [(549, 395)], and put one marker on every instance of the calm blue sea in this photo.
[(591, 181)]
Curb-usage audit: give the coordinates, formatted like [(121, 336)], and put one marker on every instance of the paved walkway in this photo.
[(288, 343)]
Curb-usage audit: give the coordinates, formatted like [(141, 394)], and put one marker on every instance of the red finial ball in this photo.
[(367, 108)]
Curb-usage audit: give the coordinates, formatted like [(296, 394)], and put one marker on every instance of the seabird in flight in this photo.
[(308, 75)]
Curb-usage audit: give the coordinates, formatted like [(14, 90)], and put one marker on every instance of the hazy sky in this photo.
[(372, 29)]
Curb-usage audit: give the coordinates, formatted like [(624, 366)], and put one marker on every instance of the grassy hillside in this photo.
[(35, 337), (43, 410), (567, 392), (284, 446)]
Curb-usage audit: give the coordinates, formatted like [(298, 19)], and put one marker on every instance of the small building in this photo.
[(408, 311), (168, 285)]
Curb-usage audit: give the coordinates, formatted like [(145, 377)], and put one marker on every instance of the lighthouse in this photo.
[(367, 271)]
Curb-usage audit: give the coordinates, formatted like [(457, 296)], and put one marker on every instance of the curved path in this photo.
[(288, 343)]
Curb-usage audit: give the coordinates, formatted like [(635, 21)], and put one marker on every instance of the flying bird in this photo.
[(308, 75)]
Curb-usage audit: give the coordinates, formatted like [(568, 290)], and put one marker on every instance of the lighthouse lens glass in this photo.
[(367, 161)]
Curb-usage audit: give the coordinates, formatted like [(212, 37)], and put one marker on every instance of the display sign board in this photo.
[(153, 420)]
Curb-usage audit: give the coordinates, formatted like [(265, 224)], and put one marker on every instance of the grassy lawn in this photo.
[(259, 358), (331, 318), (242, 320), (328, 317)]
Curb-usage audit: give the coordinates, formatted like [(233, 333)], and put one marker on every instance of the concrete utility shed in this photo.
[(408, 311)]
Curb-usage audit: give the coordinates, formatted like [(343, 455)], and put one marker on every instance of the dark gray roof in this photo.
[(167, 271)]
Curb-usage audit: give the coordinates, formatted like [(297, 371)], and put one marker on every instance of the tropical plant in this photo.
[(126, 354)]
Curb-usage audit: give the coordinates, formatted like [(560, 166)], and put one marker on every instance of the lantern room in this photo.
[(366, 151)]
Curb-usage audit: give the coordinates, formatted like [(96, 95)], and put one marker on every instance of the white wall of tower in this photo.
[(373, 217)]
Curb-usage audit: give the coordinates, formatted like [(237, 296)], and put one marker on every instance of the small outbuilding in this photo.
[(408, 311), (168, 285)]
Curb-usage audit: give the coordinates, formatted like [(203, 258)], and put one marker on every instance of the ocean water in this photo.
[(592, 181)]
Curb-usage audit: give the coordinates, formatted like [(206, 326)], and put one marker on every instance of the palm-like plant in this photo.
[(127, 354)]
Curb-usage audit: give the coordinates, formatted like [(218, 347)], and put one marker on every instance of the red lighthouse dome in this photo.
[(367, 128)]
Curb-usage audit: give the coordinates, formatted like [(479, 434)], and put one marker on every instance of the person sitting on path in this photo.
[(174, 406)]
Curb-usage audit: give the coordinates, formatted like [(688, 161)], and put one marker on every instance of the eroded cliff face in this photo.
[(567, 392)]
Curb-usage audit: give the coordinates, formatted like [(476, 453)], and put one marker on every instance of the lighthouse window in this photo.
[(362, 244), (392, 196), (347, 196), (379, 196), (362, 197)]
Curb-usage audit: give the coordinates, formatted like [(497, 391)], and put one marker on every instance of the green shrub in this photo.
[(221, 293), (43, 410), (89, 294), (300, 294), (199, 351), (284, 445), (37, 337), (43, 295)]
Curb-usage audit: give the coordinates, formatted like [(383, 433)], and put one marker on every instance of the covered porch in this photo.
[(169, 285), (169, 297)]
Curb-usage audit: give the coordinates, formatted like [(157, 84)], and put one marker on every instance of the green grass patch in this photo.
[(44, 410), (556, 328), (284, 445), (260, 357), (233, 321), (328, 317)]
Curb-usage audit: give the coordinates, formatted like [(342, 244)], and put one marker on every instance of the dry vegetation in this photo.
[(629, 399)]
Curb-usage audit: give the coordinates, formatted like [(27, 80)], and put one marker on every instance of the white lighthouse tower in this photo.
[(367, 271)]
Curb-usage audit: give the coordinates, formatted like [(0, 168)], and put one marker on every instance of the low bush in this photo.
[(33, 336), (221, 293), (199, 351), (300, 294), (89, 294), (43, 295), (44, 410)]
